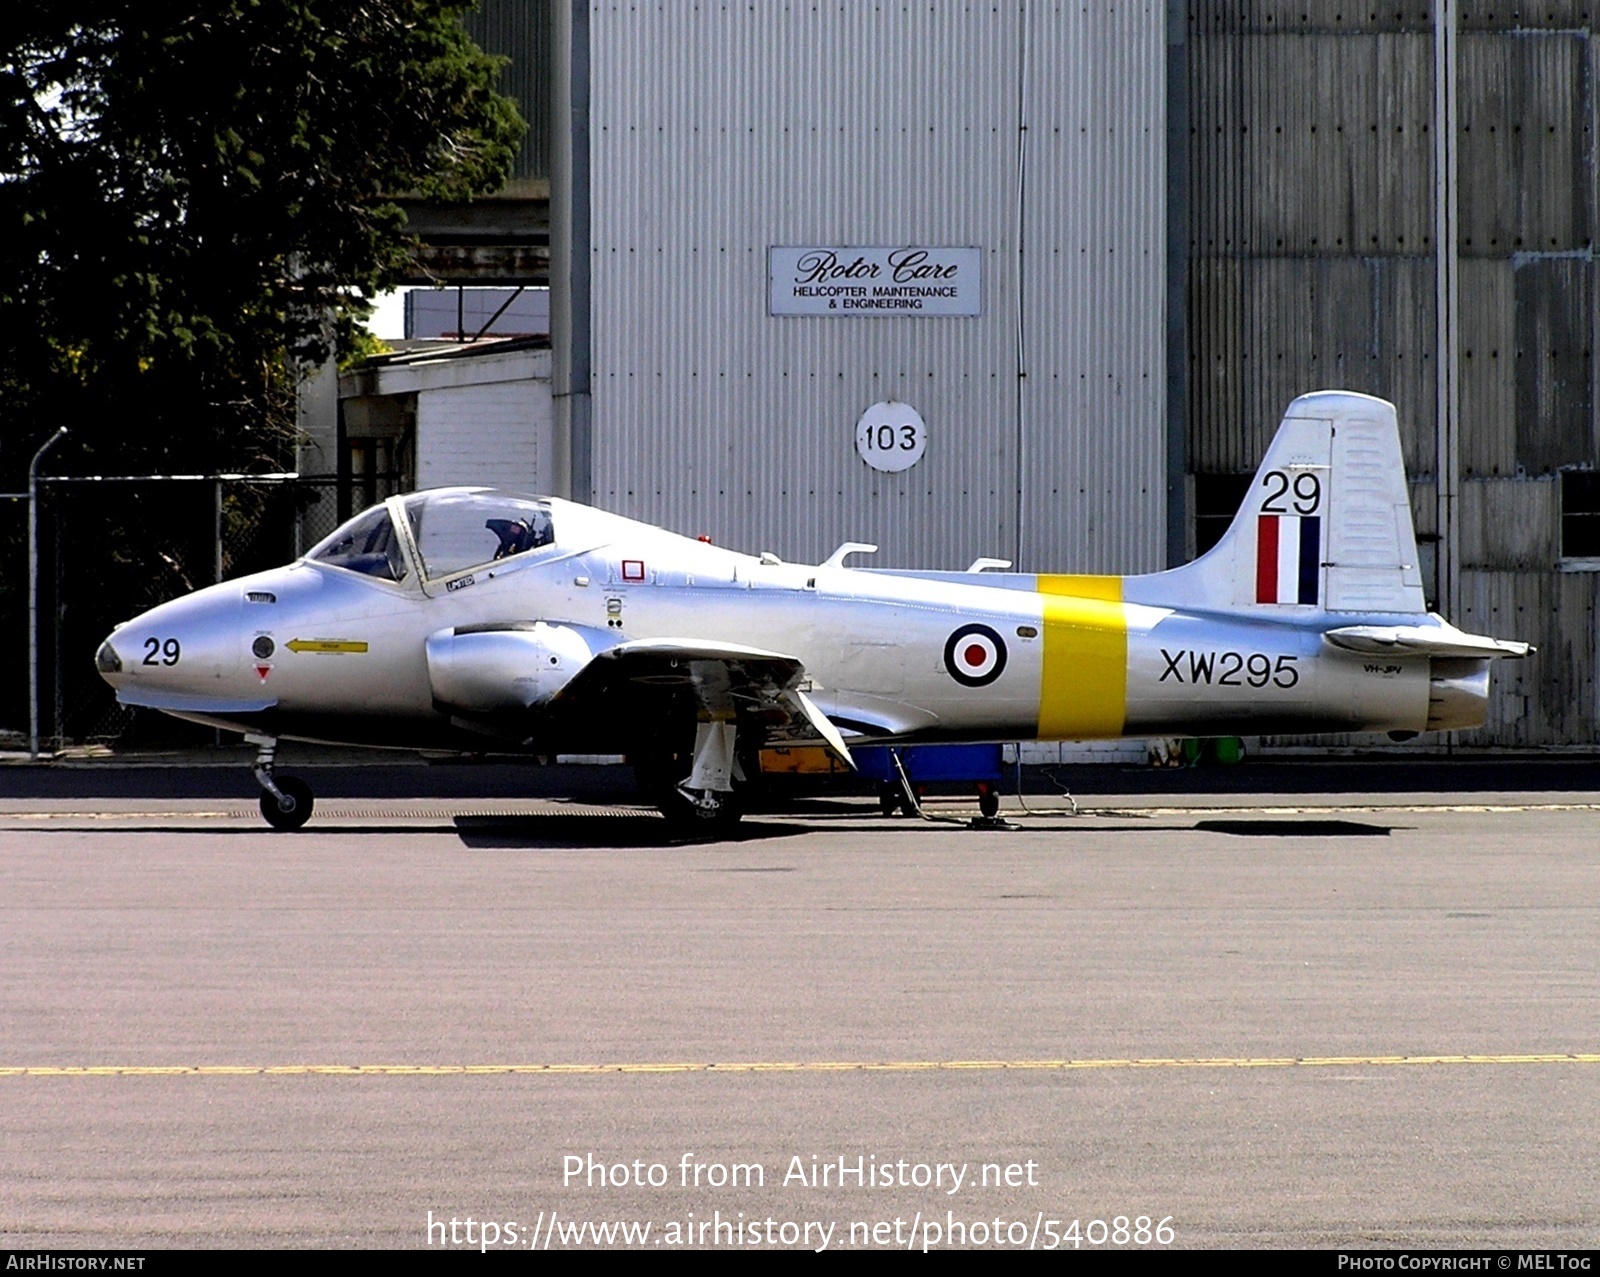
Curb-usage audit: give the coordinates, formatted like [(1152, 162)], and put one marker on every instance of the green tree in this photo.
[(196, 194), (196, 197)]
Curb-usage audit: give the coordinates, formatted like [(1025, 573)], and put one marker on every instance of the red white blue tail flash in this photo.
[(1288, 558)]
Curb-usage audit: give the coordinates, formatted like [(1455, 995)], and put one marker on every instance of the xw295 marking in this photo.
[(1229, 669)]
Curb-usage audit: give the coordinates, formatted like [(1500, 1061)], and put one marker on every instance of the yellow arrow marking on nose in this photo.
[(326, 645)]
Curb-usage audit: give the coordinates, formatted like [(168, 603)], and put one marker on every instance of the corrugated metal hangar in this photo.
[(1081, 257), (1322, 222), (729, 145)]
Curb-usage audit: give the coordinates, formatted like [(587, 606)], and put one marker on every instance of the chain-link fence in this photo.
[(14, 630), (109, 549)]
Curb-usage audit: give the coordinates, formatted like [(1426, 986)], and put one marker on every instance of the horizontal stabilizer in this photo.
[(1423, 640)]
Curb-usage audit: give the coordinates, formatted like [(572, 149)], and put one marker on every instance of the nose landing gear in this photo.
[(286, 801)]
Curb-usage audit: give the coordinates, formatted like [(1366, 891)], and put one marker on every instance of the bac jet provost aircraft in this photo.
[(474, 620)]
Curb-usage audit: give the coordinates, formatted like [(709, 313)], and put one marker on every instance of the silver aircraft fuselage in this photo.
[(477, 620)]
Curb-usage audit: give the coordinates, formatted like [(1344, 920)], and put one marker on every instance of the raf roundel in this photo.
[(975, 655)]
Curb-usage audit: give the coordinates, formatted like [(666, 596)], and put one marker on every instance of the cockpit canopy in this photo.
[(367, 544), (456, 530), (453, 530)]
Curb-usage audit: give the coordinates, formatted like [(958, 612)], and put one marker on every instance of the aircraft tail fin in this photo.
[(1326, 524)]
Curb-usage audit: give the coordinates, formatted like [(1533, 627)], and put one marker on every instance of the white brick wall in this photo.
[(484, 418), (497, 434)]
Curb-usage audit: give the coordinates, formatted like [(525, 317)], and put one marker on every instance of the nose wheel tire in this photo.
[(299, 810)]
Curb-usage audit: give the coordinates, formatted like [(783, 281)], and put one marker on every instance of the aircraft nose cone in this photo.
[(107, 661)]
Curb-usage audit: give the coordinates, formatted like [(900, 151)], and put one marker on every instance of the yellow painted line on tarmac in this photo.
[(1243, 807), (780, 1066), (406, 809), (117, 815)]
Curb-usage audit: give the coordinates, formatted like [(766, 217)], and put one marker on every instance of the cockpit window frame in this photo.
[(433, 585), (408, 543), (410, 583), (416, 580)]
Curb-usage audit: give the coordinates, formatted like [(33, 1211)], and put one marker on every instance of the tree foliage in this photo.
[(197, 194)]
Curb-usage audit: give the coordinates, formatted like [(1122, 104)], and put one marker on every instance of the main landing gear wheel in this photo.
[(295, 811), (700, 815), (988, 802), (693, 786)]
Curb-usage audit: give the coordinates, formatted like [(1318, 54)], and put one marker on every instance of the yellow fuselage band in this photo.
[(1083, 689)]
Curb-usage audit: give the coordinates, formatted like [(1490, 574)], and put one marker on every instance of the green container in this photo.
[(1219, 749)]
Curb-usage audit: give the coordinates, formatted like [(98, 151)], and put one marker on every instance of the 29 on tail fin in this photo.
[(1326, 523)]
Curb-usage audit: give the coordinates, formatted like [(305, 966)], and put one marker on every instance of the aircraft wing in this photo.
[(1422, 640), (758, 688)]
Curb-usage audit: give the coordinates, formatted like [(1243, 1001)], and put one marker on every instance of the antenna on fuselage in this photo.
[(837, 558)]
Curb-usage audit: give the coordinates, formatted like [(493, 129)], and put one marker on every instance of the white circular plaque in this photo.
[(891, 436)]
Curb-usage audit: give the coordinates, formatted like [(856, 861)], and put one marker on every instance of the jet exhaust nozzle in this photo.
[(1458, 694)]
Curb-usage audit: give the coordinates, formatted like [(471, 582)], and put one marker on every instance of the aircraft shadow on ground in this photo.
[(560, 830), (1294, 828)]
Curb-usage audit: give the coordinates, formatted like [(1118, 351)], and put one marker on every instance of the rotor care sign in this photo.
[(909, 282)]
